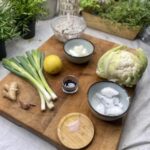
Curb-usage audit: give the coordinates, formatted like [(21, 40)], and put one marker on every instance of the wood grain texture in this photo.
[(45, 124), (78, 136)]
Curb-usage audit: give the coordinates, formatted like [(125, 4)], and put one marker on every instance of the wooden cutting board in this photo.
[(45, 124)]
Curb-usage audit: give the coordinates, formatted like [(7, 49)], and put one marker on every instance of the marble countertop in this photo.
[(13, 137)]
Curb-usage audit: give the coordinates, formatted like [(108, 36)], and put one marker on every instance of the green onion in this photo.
[(30, 67)]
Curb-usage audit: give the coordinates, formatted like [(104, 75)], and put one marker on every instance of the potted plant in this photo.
[(8, 28), (26, 12), (124, 18)]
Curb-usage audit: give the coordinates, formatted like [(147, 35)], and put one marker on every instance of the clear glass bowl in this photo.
[(68, 27)]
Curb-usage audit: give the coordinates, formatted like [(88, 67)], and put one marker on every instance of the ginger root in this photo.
[(10, 91), (26, 105)]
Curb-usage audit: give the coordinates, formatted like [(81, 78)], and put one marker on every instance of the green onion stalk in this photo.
[(39, 59)]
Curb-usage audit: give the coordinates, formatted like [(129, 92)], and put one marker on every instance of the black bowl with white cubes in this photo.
[(108, 100)]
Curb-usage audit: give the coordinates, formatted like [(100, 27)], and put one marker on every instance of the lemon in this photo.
[(52, 64)]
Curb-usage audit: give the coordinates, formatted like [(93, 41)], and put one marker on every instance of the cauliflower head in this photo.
[(122, 66)]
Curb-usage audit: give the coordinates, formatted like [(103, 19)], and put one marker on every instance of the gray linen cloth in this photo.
[(136, 132)]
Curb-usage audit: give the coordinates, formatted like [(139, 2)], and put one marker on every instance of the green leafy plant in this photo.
[(91, 6), (30, 8), (8, 27), (129, 12), (26, 10)]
